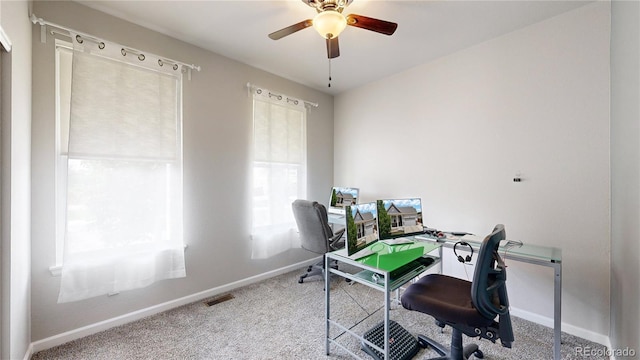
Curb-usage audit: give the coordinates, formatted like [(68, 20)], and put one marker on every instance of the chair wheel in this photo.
[(300, 281), (478, 354)]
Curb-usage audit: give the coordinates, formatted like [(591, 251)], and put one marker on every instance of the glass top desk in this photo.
[(532, 254), (373, 277)]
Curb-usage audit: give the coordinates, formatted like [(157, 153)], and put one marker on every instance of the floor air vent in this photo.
[(218, 300)]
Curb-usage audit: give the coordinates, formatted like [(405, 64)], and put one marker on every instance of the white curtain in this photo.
[(124, 175), (279, 171)]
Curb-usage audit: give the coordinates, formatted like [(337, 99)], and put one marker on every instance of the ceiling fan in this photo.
[(329, 22)]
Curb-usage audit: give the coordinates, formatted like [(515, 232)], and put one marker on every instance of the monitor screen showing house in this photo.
[(362, 226), (342, 197), (399, 217)]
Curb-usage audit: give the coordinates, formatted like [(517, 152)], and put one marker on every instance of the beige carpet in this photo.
[(281, 319)]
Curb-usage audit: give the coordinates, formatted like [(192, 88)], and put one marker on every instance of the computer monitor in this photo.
[(399, 217), (342, 197), (361, 226)]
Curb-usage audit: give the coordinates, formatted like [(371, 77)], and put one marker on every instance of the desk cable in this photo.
[(465, 272)]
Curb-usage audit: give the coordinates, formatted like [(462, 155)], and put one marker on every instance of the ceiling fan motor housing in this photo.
[(322, 5)]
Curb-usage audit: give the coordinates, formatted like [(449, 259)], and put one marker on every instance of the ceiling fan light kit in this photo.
[(329, 23)]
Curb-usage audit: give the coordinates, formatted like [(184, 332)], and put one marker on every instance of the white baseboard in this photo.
[(29, 352), (533, 317), (568, 328), (139, 314)]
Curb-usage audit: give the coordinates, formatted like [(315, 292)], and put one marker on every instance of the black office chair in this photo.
[(468, 307), (315, 233)]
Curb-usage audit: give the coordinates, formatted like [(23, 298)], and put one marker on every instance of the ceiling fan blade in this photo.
[(290, 29), (379, 26), (333, 49)]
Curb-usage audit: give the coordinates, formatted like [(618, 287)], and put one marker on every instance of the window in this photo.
[(279, 170), (119, 173)]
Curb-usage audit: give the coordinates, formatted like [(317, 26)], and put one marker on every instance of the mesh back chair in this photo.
[(315, 233), (469, 308)]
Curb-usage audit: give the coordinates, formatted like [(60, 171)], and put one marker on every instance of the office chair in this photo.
[(315, 233), (468, 307)]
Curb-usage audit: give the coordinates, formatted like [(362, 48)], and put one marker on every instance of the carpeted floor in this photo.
[(281, 319)]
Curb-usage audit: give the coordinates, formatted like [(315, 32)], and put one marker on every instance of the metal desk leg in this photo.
[(327, 289), (557, 309), (387, 304)]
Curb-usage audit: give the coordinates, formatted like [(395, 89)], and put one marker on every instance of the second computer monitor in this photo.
[(342, 197), (399, 217), (361, 226)]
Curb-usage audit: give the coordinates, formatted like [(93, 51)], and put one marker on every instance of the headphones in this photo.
[(460, 258)]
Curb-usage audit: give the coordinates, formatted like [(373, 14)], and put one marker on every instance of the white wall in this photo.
[(625, 174), (217, 135), (456, 131), (16, 186)]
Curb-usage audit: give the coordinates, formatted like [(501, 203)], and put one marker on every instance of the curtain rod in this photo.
[(309, 103), (43, 23)]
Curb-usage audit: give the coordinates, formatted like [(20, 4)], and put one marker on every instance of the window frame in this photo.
[(62, 120), (300, 167)]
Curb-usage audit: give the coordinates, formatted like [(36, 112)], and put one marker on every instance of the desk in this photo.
[(364, 276), (532, 254)]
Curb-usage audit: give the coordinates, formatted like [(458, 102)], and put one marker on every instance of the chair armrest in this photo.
[(334, 241), (338, 234)]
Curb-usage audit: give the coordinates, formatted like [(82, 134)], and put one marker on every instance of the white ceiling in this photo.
[(427, 30)]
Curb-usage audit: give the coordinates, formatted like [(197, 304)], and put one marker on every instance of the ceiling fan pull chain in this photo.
[(329, 73), (329, 43)]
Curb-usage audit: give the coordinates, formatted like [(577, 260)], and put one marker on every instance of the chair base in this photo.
[(457, 352), (315, 269), (312, 270)]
